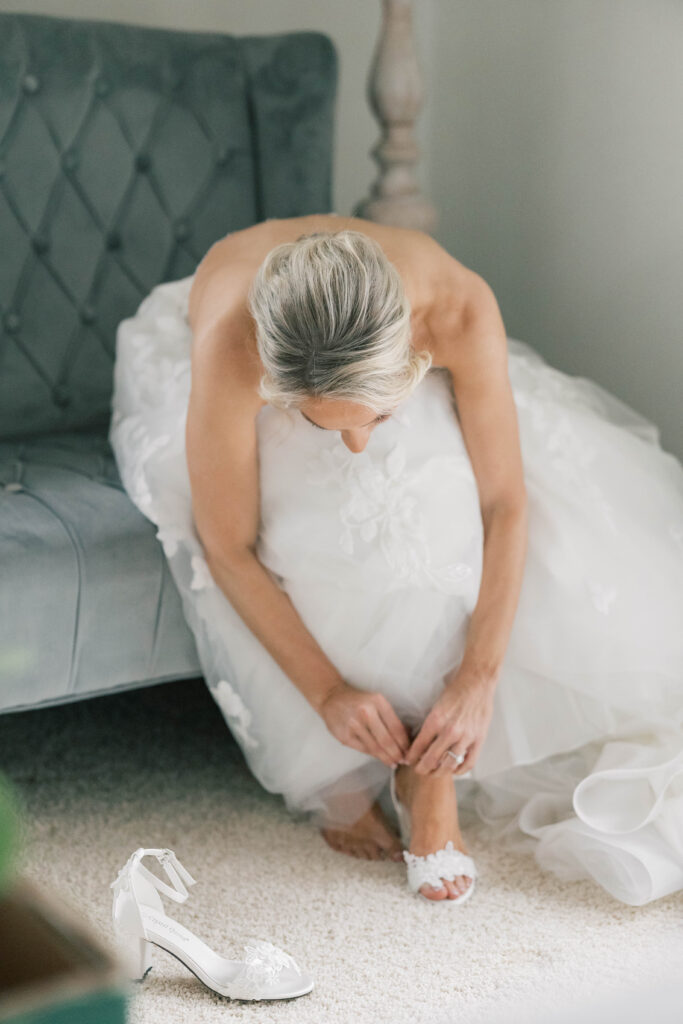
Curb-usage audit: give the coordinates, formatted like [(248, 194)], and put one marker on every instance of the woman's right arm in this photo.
[(222, 458)]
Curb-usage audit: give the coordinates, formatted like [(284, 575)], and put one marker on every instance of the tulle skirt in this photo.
[(381, 554)]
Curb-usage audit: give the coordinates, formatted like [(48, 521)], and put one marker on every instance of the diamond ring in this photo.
[(456, 757)]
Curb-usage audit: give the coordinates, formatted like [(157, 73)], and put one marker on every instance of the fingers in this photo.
[(444, 767), (470, 758), (376, 732), (393, 724), (428, 732), (431, 760), (448, 765), (379, 740)]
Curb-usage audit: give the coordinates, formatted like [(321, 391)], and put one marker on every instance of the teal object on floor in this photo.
[(125, 153), (9, 834), (95, 1008)]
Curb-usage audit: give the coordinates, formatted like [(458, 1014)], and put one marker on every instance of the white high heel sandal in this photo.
[(433, 868), (140, 922)]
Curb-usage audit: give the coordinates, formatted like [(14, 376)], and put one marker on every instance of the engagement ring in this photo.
[(456, 757)]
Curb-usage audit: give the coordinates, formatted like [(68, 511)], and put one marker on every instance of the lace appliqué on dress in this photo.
[(602, 596), (236, 712), (133, 437), (379, 509), (676, 532), (569, 455)]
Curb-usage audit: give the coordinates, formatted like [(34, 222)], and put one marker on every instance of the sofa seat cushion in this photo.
[(87, 603)]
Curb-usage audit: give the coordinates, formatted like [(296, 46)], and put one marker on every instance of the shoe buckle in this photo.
[(177, 873)]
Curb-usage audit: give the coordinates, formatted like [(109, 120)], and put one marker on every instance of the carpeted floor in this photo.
[(158, 767)]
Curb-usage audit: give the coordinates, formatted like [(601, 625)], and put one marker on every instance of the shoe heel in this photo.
[(139, 957)]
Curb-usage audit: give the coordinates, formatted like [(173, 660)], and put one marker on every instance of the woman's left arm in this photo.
[(476, 356)]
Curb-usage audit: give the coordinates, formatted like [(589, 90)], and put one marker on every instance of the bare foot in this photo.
[(371, 837), (434, 820)]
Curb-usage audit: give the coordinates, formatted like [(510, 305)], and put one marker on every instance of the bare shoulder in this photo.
[(466, 326), (223, 276), (441, 291)]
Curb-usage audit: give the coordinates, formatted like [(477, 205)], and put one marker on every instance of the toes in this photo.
[(434, 894), (371, 851), (451, 888), (394, 851), (462, 882)]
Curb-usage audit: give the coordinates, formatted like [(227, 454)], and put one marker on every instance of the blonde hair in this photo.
[(333, 321)]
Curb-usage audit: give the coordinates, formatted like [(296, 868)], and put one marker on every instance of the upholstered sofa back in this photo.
[(125, 152)]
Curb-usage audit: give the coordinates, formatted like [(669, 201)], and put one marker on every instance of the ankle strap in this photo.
[(173, 868)]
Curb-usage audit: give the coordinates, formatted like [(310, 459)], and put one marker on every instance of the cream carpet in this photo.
[(157, 767)]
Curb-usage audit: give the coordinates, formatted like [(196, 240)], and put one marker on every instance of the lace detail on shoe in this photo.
[(179, 876), (380, 510), (434, 867), (235, 711), (262, 966)]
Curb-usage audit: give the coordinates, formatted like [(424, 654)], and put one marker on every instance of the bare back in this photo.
[(222, 450)]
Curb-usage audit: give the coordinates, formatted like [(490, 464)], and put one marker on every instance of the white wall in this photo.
[(552, 147), (557, 167)]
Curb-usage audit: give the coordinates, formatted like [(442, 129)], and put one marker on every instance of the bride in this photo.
[(412, 551)]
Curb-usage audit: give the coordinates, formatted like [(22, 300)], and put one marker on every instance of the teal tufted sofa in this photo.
[(125, 152)]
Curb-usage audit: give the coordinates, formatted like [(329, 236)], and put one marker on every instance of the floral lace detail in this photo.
[(434, 867), (569, 455), (131, 436), (601, 595), (379, 509), (201, 574), (676, 531), (236, 712), (170, 537), (262, 966)]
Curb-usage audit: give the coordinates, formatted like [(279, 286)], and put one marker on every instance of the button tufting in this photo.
[(2, 168), (12, 322), (70, 160), (181, 230), (102, 86), (40, 243), (113, 240), (222, 155), (31, 83), (14, 486), (88, 314), (60, 396), (142, 161)]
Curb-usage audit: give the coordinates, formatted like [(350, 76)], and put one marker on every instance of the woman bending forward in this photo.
[(409, 549)]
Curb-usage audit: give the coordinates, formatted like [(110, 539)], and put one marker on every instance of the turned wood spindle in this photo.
[(395, 97)]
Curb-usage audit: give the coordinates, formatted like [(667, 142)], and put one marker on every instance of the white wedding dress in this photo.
[(381, 555)]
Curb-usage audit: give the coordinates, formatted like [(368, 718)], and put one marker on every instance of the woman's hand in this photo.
[(365, 721), (459, 721)]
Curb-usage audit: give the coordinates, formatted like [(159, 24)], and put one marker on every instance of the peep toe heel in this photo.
[(433, 868), (141, 924)]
